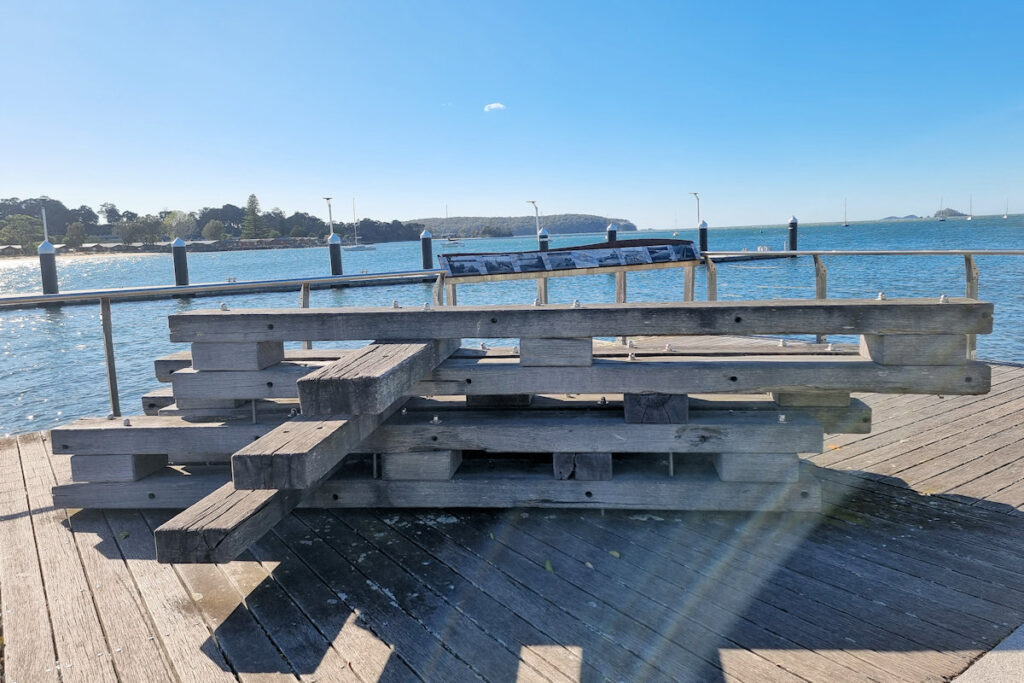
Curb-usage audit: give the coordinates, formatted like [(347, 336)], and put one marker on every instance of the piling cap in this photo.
[(703, 225), (542, 234), (792, 220), (425, 235), (334, 239), (612, 228), (178, 242), (46, 248)]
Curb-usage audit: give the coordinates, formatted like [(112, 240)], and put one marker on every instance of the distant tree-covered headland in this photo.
[(21, 225), (504, 226)]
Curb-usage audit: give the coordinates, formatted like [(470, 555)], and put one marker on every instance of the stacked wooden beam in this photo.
[(559, 421)]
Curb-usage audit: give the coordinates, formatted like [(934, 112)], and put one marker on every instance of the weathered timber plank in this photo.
[(801, 399), (165, 366), (300, 452), (656, 408), (777, 467), (481, 401), (28, 643), (223, 524), (277, 381), (368, 656), (686, 491), (555, 431), (170, 435), (168, 489), (292, 632), (373, 380), (134, 648), (534, 352), (154, 400), (77, 631), (116, 467), (833, 316), (583, 466), (236, 355), (420, 465), (915, 349), (697, 375), (176, 618), (560, 663)]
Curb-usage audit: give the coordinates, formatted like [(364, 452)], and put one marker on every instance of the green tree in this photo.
[(252, 224), (180, 224), (110, 212), (128, 231), (21, 229), (75, 235), (149, 229), (299, 231), (213, 230)]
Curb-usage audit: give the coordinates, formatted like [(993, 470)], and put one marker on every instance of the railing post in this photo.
[(820, 288), (543, 242), (971, 275), (450, 294), (304, 303), (108, 348), (438, 291), (620, 287), (688, 282), (711, 271)]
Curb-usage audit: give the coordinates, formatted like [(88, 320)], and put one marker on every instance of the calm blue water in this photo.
[(53, 368)]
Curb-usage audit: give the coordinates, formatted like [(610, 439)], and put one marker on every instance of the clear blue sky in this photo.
[(614, 108)]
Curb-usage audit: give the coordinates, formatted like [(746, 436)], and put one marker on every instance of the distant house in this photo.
[(10, 250)]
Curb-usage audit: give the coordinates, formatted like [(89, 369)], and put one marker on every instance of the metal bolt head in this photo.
[(632, 356), (426, 306), (881, 296), (576, 303), (782, 418), (668, 347), (394, 304), (224, 306), (602, 401), (943, 299), (630, 344), (127, 422), (435, 420), (536, 302)]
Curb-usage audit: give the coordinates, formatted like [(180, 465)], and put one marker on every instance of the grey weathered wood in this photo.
[(711, 270), (118, 467), (481, 401), (823, 399), (820, 286), (184, 403), (222, 524), (450, 293), (422, 465), (236, 355), (29, 651), (542, 290), (277, 381), (75, 622), (165, 366), (620, 287), (554, 431), (656, 408), (915, 349), (154, 400), (371, 381), (541, 352), (582, 466), (762, 467), (301, 452), (537, 489), (834, 316), (171, 435), (689, 282), (689, 375), (971, 277), (169, 489)]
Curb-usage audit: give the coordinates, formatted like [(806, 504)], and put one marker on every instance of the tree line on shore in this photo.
[(21, 224)]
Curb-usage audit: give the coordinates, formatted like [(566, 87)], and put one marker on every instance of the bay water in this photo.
[(51, 359)]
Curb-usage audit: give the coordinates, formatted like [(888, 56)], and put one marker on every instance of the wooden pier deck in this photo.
[(913, 571)]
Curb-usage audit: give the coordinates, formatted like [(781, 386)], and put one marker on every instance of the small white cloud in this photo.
[(494, 106)]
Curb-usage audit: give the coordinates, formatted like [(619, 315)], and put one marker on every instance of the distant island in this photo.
[(908, 217), (948, 213), (506, 226)]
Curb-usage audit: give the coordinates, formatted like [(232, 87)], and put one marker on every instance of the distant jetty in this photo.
[(475, 226)]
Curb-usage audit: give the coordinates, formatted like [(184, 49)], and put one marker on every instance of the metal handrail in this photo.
[(874, 252), (176, 291)]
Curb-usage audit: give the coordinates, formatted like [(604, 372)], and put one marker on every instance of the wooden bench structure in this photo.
[(412, 420)]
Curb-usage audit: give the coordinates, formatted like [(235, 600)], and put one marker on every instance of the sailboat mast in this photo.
[(846, 223), (355, 226)]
